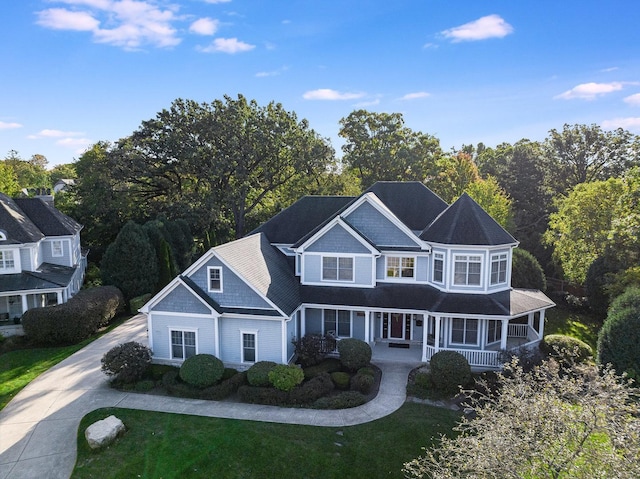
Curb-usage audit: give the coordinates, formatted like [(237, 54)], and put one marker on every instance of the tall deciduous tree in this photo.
[(493, 199), (453, 175), (30, 174), (8, 180), (379, 147)]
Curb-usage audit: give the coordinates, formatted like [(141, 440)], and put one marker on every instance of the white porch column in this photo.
[(541, 325), (216, 333), (60, 298), (367, 326), (530, 319), (425, 335), (25, 305), (303, 322), (436, 342), (505, 332)]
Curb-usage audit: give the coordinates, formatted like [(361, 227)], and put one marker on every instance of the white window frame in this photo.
[(9, 262), (3, 236), (400, 267), (253, 333), (210, 269), (181, 330), (55, 252), (497, 334), (467, 260), (338, 258), (497, 260), (464, 332), (337, 321), (437, 257)]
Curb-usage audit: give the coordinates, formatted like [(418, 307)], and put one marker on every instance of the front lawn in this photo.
[(584, 326), (160, 445)]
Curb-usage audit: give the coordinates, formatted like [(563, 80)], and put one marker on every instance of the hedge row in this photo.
[(306, 393), (75, 320), (217, 392)]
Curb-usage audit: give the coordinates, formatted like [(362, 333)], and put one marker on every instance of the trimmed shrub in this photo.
[(341, 379), (329, 365), (225, 388), (157, 371), (362, 382), (422, 379), (229, 373), (138, 302), (260, 395), (312, 390), (286, 377), (311, 349), (526, 271), (75, 320), (354, 353), (171, 382), (144, 386), (449, 371), (126, 362), (344, 400), (565, 349), (202, 370), (258, 374), (368, 371)]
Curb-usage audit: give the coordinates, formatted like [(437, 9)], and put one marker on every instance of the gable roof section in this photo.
[(264, 268), (410, 201), (18, 226), (328, 226), (50, 221), (302, 217), (466, 223)]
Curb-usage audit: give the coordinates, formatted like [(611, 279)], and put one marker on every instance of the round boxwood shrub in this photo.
[(285, 377), (565, 348), (354, 353), (449, 371), (202, 370), (126, 362), (362, 382), (341, 379), (258, 374)]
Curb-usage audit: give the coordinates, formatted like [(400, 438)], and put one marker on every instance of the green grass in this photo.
[(159, 445), (583, 326), (18, 368)]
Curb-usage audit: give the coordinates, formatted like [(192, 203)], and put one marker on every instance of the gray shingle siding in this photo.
[(337, 240), (377, 228), (181, 300)]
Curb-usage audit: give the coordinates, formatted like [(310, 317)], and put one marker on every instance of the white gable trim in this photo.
[(338, 221), (374, 201), (177, 281)]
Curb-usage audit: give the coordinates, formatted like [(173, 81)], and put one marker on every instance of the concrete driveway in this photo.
[(38, 428)]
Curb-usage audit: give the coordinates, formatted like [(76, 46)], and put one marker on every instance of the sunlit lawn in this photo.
[(159, 445), (583, 326)]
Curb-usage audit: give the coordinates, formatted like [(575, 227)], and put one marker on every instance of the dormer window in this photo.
[(467, 270), (56, 248), (6, 260), (337, 268), (3, 236), (499, 268), (215, 279), (400, 267)]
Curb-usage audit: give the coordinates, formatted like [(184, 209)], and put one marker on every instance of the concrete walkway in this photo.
[(38, 428)]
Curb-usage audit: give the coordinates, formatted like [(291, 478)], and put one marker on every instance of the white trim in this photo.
[(209, 270), (177, 281), (468, 262), (498, 258), (53, 248), (400, 279), (182, 329), (337, 310), (3, 236), (254, 332), (442, 257), (338, 257), (450, 321)]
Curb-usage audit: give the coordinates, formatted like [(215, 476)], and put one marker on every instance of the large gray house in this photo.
[(394, 265), (41, 262)]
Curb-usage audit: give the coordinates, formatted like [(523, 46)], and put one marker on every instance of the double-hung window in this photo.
[(400, 267), (337, 268), (215, 279), (183, 344), (499, 268), (467, 270), (6, 260), (464, 331), (249, 347), (438, 268), (56, 248), (337, 322)]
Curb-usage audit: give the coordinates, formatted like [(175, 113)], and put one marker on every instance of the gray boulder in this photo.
[(104, 432)]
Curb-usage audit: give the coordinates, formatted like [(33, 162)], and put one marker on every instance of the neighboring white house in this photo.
[(394, 265), (41, 262)]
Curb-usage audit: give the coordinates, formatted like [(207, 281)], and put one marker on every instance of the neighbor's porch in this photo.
[(14, 304)]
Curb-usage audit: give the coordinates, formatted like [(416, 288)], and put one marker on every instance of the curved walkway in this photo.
[(38, 428)]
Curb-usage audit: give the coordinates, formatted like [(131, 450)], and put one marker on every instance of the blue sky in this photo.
[(75, 72)]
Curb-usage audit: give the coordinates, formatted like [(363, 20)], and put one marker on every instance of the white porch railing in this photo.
[(485, 359), (518, 330)]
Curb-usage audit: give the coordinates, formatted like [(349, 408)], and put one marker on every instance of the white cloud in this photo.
[(9, 126), (328, 94), (217, 1), (491, 26), (633, 99), (61, 19), (415, 96), (74, 142), (631, 123), (46, 133), (227, 45), (589, 91), (204, 26)]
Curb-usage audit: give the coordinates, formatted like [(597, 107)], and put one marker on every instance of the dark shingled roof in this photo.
[(48, 276), (466, 223), (512, 303), (411, 201), (16, 224), (48, 219), (265, 268), (300, 218)]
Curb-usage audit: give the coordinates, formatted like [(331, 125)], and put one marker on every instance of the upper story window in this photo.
[(337, 268), (215, 279), (400, 267), (467, 270), (56, 248), (438, 268), (499, 268), (6, 260)]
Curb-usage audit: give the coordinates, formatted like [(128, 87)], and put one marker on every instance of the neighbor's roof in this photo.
[(47, 276), (16, 224), (466, 223), (48, 219)]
